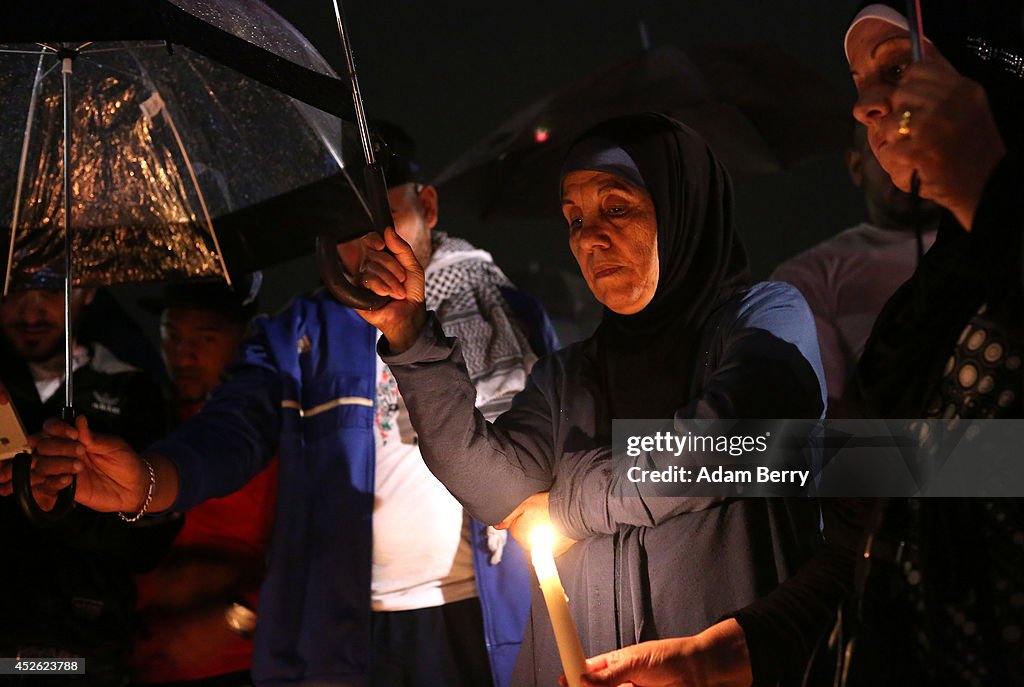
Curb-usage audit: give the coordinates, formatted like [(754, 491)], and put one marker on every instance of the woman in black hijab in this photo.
[(701, 261), (949, 344), (649, 215)]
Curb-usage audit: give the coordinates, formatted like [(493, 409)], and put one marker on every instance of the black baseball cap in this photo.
[(49, 277), (237, 305)]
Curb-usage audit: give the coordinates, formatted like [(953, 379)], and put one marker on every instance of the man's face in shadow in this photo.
[(197, 345), (33, 320)]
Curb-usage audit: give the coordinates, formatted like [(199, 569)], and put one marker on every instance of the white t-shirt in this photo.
[(422, 555), (846, 281)]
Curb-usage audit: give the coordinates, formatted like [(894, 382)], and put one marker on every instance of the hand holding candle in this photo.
[(531, 515), (568, 640)]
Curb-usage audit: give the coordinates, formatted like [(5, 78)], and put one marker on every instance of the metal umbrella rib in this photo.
[(21, 171)]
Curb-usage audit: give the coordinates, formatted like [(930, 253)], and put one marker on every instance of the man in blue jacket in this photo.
[(375, 575)]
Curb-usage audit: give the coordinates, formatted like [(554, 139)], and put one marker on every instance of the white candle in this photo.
[(568, 640)]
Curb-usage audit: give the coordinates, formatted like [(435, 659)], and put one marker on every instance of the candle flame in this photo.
[(542, 537), (542, 540)]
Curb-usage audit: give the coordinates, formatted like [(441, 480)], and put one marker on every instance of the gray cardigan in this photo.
[(644, 568)]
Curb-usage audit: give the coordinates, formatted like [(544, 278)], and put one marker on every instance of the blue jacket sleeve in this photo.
[(767, 365), (235, 434)]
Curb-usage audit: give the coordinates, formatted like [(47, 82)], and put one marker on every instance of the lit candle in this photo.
[(569, 648)]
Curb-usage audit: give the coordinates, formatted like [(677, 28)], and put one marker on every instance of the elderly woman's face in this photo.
[(879, 53), (613, 233)]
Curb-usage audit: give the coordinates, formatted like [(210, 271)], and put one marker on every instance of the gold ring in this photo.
[(904, 129)]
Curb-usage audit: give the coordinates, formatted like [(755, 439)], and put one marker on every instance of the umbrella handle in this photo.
[(22, 479), (335, 278), (332, 271)]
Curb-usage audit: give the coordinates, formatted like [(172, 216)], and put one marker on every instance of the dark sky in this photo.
[(452, 71)]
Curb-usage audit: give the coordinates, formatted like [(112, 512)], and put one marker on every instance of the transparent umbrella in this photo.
[(181, 145), (161, 144)]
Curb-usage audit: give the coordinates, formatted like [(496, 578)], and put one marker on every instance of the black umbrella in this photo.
[(245, 35)]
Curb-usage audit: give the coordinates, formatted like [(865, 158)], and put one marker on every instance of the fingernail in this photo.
[(77, 466), (80, 450), (66, 479)]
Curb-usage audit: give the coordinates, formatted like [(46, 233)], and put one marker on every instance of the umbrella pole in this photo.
[(68, 412), (22, 467), (916, 28), (376, 185), (331, 269), (22, 464)]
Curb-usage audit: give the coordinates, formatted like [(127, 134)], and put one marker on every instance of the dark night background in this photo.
[(452, 72)]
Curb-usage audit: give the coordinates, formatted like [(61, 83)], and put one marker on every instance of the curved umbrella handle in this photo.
[(336, 280), (332, 271), (22, 479)]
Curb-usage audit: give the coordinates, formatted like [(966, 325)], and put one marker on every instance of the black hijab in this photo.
[(917, 330), (649, 359)]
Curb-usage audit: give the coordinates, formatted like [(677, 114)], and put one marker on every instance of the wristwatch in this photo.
[(240, 618)]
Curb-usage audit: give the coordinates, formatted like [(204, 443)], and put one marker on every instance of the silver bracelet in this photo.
[(240, 619), (149, 495)]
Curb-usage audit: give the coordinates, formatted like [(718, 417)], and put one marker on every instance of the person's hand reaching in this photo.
[(717, 657), (111, 475)]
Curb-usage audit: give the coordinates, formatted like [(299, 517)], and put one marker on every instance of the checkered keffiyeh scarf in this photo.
[(463, 286)]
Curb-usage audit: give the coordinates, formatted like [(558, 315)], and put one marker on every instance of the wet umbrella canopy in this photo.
[(160, 141), (163, 142)]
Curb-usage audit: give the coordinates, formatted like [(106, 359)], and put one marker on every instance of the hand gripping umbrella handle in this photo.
[(333, 272), (22, 479), (331, 269)]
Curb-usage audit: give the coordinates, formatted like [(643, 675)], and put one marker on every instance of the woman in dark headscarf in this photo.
[(949, 343), (949, 610), (956, 121), (684, 334)]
